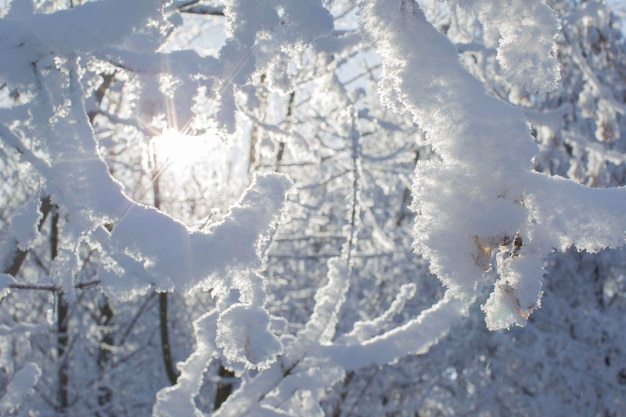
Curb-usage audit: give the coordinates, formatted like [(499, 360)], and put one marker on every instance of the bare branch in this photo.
[(53, 288)]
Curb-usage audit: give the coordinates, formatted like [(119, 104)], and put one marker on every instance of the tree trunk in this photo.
[(223, 389), (172, 374), (62, 321)]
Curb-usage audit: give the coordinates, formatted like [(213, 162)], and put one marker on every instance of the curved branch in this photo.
[(172, 374)]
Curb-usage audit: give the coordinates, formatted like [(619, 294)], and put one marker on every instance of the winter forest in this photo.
[(312, 208)]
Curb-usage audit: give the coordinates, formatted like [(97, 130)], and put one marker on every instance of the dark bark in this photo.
[(194, 8), (224, 389), (107, 79), (104, 352), (172, 374), (62, 311), (404, 211), (20, 255), (281, 145)]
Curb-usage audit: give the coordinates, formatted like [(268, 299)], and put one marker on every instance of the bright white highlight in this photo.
[(176, 151)]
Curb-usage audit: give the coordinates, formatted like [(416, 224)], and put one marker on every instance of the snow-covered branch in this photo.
[(483, 193)]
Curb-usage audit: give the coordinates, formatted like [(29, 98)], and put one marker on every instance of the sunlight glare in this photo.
[(179, 151), (196, 174)]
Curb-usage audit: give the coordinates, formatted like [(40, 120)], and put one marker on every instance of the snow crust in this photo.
[(481, 206)]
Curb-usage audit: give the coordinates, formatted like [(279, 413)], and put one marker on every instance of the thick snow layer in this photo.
[(244, 336), (157, 249), (481, 204), (178, 400), (524, 33)]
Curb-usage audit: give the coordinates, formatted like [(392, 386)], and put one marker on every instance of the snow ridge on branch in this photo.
[(481, 207)]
